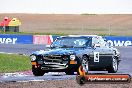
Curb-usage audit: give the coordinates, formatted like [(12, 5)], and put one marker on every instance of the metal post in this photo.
[(109, 30), (4, 26)]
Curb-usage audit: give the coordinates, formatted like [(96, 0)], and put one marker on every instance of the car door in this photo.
[(97, 50), (102, 53)]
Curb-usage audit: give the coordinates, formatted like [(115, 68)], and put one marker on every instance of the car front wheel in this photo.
[(85, 64), (37, 72), (114, 66)]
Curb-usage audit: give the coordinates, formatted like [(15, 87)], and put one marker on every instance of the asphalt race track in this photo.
[(26, 49), (125, 66)]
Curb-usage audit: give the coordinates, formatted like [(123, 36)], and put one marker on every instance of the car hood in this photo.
[(62, 51)]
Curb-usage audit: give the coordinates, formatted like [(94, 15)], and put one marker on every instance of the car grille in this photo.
[(54, 58)]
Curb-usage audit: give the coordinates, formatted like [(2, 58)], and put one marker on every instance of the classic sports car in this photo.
[(67, 53)]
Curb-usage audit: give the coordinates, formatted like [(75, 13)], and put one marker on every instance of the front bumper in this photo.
[(57, 67), (54, 66)]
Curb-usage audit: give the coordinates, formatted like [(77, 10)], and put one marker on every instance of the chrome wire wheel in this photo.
[(85, 64), (115, 64)]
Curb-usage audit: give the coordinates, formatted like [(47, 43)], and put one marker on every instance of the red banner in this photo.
[(42, 39)]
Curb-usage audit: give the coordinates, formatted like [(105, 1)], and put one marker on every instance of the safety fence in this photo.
[(48, 39)]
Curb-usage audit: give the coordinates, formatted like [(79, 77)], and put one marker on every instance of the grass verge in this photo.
[(29, 33), (49, 33), (14, 63)]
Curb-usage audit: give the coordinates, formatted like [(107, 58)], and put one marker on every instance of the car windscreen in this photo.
[(71, 43)]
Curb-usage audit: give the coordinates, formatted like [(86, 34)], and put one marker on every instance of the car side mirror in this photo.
[(95, 45)]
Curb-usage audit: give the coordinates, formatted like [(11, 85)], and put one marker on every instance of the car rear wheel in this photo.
[(114, 66), (80, 80), (37, 72), (85, 64)]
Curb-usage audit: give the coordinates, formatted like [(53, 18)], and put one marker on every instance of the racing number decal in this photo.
[(96, 56)]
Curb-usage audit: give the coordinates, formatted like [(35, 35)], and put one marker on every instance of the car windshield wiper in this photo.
[(66, 46)]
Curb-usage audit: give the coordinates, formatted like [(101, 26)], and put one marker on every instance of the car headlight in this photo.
[(33, 57), (72, 57)]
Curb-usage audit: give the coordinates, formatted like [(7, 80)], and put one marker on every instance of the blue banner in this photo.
[(28, 39), (119, 40), (16, 39)]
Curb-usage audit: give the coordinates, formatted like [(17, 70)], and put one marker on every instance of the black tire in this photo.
[(80, 80), (37, 72), (114, 66)]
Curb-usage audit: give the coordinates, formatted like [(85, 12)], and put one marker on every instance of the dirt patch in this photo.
[(61, 84), (74, 24)]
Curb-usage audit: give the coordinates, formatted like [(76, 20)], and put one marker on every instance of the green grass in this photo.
[(29, 33), (14, 63), (65, 31), (48, 33)]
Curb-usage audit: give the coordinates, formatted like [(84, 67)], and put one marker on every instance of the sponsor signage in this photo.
[(15, 39), (103, 78), (119, 40), (48, 39), (116, 40), (43, 39), (84, 77)]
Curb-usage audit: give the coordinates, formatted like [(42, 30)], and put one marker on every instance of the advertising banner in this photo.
[(48, 39), (16, 39), (119, 40), (44, 39)]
